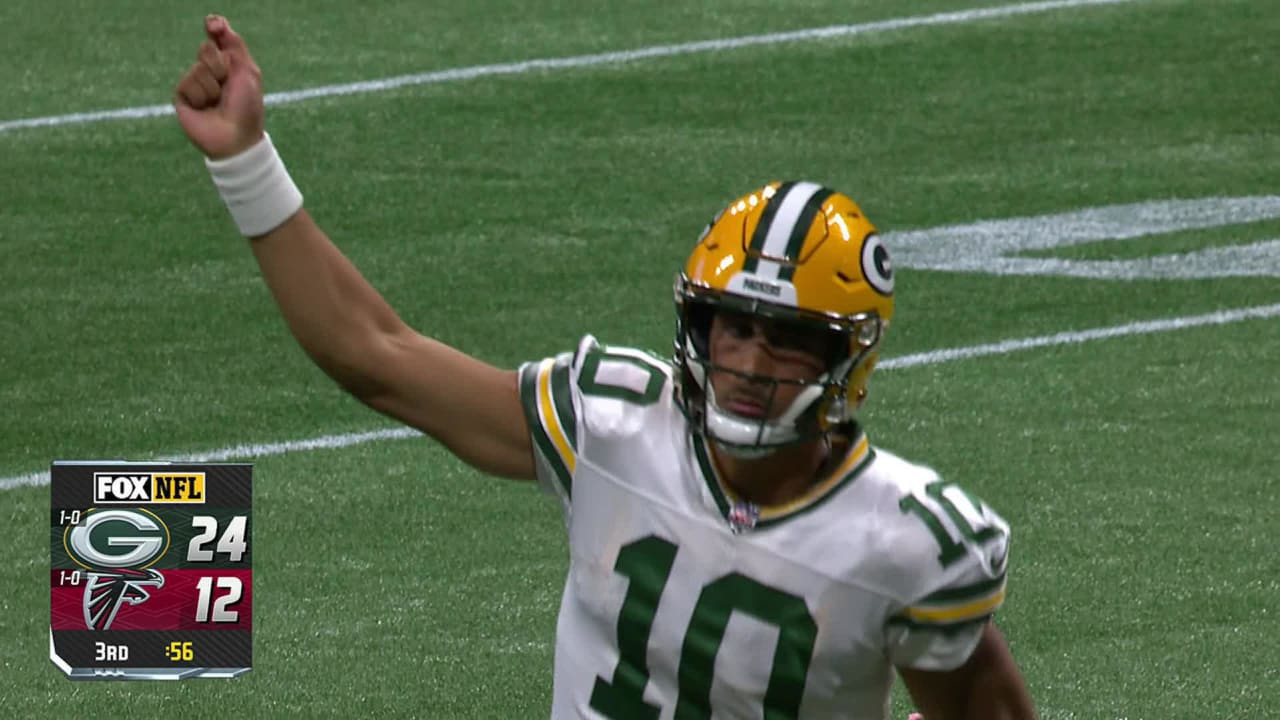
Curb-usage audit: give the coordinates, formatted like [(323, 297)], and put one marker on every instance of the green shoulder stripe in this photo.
[(541, 438), (964, 593)]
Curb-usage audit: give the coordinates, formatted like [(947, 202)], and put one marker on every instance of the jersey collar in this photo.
[(743, 515)]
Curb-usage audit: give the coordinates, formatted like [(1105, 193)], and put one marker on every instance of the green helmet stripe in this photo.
[(756, 247), (800, 231)]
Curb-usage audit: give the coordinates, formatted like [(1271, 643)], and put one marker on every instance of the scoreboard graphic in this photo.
[(151, 573)]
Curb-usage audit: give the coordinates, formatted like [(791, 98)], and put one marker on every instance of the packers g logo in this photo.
[(117, 547), (117, 539), (876, 267)]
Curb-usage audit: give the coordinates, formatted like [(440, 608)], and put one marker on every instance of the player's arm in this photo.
[(351, 332), (952, 658), (988, 686), (343, 323)]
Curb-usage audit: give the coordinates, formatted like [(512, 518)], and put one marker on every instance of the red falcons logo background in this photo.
[(105, 592)]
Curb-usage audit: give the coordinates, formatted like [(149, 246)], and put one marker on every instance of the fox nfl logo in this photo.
[(153, 487)]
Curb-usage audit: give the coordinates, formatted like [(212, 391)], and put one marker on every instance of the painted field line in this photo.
[(1145, 327), (244, 452), (933, 357), (582, 61)]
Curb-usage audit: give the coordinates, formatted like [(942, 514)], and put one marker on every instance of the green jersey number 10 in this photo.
[(647, 563)]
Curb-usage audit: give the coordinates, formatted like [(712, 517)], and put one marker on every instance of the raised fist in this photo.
[(219, 99)]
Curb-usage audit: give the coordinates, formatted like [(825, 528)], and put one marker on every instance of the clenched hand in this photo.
[(219, 99)]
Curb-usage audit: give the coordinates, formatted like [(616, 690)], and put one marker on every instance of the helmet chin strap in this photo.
[(745, 453), (747, 438), (750, 438), (718, 417), (739, 436)]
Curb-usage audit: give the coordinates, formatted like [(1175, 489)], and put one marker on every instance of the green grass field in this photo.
[(508, 215)]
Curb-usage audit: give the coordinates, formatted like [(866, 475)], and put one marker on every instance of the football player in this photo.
[(738, 548)]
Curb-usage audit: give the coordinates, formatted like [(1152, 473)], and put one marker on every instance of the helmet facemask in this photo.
[(820, 407)]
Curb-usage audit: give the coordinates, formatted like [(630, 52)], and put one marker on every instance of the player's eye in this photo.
[(796, 339), (739, 326)]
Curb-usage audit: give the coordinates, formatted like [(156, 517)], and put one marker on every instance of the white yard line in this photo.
[(933, 357), (581, 61), (244, 452), (1145, 327)]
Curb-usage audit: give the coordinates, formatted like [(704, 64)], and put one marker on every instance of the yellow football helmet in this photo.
[(798, 253)]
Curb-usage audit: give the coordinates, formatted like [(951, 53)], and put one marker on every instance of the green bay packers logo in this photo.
[(117, 547), (876, 267)]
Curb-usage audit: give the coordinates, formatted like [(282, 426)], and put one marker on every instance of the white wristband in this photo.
[(256, 188)]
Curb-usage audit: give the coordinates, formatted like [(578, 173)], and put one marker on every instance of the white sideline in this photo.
[(581, 61), (933, 357)]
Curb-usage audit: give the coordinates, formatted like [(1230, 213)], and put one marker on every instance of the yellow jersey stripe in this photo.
[(550, 421), (968, 611), (819, 489)]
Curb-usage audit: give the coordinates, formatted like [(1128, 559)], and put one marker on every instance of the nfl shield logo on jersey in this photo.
[(743, 516)]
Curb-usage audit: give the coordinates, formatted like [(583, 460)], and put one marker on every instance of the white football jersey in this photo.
[(683, 601)]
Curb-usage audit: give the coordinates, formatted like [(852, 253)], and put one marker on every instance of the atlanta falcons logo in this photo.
[(105, 592), (117, 547)]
